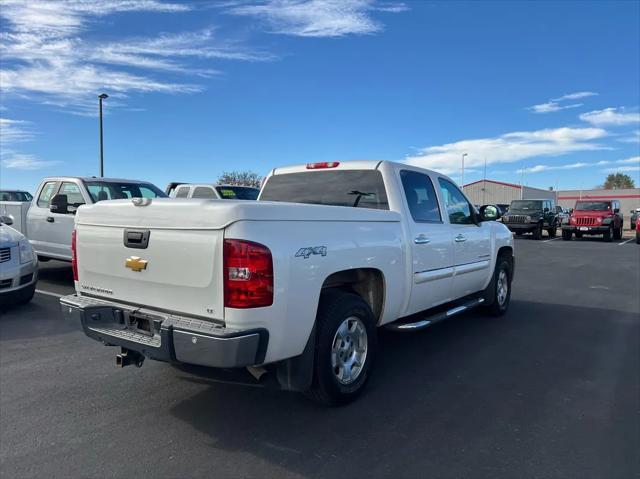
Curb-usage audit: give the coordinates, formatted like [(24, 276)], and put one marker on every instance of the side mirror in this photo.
[(570, 210), (6, 220), (489, 213), (59, 204), (616, 210), (546, 210)]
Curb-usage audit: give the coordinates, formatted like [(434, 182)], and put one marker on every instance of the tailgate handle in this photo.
[(138, 239)]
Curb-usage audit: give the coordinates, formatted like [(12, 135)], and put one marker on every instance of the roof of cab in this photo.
[(348, 165), (93, 178)]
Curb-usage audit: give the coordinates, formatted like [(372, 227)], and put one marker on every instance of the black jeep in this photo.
[(532, 216)]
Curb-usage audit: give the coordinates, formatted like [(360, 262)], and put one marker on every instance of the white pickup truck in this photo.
[(47, 221), (295, 283)]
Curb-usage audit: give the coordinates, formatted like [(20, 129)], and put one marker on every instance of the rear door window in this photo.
[(354, 188), (421, 197), (46, 194)]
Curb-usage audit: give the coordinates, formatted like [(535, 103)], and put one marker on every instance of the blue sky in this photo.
[(547, 92)]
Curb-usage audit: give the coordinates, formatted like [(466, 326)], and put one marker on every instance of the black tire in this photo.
[(537, 233), (578, 234), (617, 233), (566, 235), (497, 304), (607, 235), (335, 308), (552, 232), (25, 295), (637, 238), (633, 225)]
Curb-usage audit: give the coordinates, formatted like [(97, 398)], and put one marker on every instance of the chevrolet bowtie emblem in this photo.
[(134, 263)]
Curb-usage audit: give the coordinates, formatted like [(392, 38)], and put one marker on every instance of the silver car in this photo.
[(18, 266)]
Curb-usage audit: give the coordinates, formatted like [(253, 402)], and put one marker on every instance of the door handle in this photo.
[(421, 239), (460, 239), (50, 219)]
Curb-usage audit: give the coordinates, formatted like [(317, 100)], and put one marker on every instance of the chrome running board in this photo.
[(435, 318)]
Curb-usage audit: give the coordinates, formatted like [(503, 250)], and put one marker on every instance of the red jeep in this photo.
[(594, 217)]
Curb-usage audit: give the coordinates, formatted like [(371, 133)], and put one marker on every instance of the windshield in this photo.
[(525, 205), (113, 190), (237, 192), (15, 196), (593, 206), (355, 188)]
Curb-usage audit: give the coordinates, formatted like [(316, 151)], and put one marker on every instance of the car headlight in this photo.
[(599, 219), (26, 251)]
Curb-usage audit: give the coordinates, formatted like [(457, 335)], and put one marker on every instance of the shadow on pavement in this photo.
[(548, 390)]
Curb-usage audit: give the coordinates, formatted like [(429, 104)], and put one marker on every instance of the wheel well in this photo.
[(505, 251), (368, 283)]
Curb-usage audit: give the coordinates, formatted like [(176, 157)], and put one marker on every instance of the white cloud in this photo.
[(555, 104), (573, 166), (508, 148), (13, 132), (47, 58), (633, 138), (552, 106), (318, 18), (541, 168), (610, 117), (575, 96), (623, 169), (21, 161)]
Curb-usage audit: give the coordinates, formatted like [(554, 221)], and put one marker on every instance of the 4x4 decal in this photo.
[(306, 252)]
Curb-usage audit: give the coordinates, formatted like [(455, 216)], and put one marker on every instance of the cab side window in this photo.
[(421, 197), (458, 208), (182, 192), (46, 194), (203, 192), (74, 195)]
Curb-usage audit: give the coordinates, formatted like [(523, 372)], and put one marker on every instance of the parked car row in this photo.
[(588, 217)]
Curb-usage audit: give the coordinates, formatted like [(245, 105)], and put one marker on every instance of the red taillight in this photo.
[(325, 164), (248, 274), (74, 256)]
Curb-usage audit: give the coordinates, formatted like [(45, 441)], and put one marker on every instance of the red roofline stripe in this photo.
[(596, 197)]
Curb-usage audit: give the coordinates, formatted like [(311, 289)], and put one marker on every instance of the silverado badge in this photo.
[(134, 263)]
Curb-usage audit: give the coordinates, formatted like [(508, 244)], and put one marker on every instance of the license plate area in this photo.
[(584, 228), (141, 324)]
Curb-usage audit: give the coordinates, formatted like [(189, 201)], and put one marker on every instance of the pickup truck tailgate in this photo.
[(179, 269)]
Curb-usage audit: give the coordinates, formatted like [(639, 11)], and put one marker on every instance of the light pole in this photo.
[(101, 97), (462, 179)]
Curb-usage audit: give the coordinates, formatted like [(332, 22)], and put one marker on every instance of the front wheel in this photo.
[(566, 235), (500, 295), (345, 348), (537, 233), (617, 233), (552, 232), (607, 235)]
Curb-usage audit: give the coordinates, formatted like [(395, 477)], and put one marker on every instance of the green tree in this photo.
[(240, 178), (618, 181)]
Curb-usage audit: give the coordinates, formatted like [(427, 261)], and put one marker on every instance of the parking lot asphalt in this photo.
[(552, 389)]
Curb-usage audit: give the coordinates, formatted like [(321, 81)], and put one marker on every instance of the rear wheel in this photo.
[(566, 235), (345, 348), (537, 233), (500, 295)]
